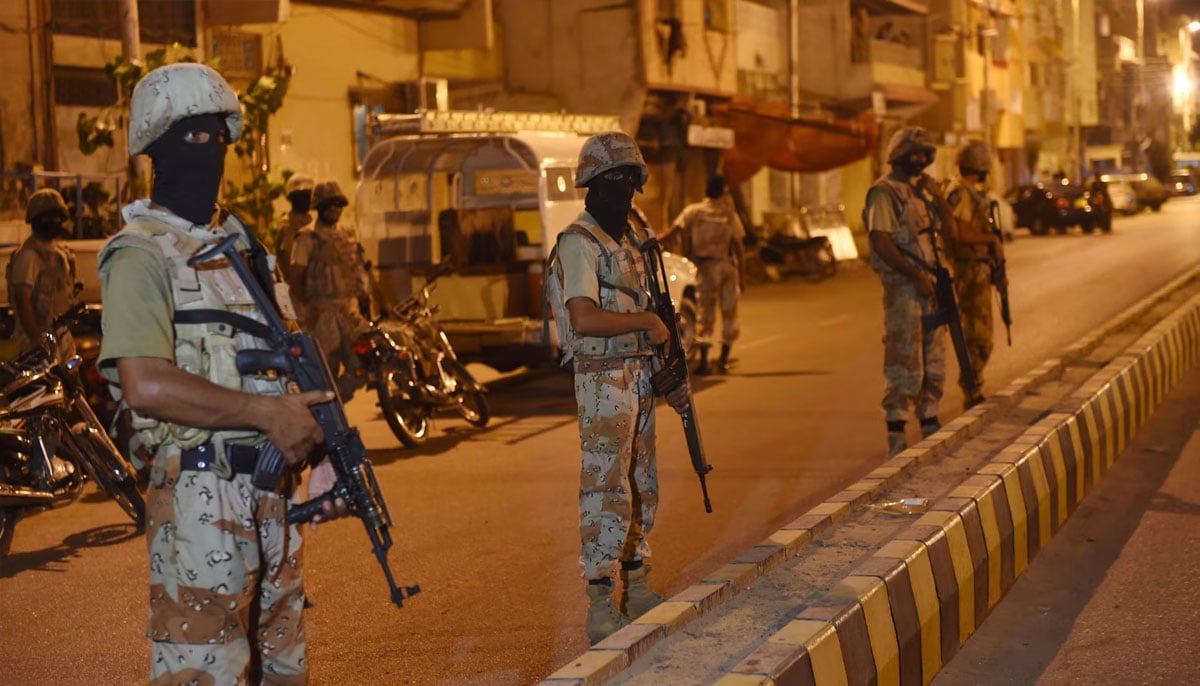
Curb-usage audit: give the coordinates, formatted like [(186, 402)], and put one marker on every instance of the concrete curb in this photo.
[(819, 629), (903, 613)]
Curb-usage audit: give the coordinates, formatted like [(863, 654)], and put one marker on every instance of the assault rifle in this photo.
[(947, 312), (672, 362), (297, 356), (999, 277)]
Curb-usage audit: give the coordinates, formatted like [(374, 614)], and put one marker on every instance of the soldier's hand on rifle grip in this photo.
[(320, 481), (291, 427), (657, 331), (924, 284), (678, 398)]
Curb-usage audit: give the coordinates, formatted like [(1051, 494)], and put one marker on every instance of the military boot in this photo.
[(723, 362), (930, 426), (638, 597), (897, 443), (702, 369), (971, 400), (603, 618)]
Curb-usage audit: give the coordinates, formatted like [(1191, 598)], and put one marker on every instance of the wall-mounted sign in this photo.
[(710, 136)]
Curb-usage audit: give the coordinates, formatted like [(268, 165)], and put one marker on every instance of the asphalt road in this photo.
[(486, 519)]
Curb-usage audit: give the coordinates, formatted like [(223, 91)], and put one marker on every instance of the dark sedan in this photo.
[(1042, 207), (1181, 182)]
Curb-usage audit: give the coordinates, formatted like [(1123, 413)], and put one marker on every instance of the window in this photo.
[(716, 15), (162, 21), (85, 87)]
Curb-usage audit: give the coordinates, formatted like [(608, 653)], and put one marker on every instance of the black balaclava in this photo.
[(330, 212), (50, 226), (610, 200), (301, 200), (980, 176), (914, 162), (188, 169)]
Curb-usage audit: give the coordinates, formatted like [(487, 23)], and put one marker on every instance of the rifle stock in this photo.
[(999, 276), (948, 314), (672, 363), (299, 357)]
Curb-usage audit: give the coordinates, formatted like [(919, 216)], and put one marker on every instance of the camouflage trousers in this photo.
[(973, 288), (226, 581), (336, 324), (914, 359), (717, 281), (618, 481)]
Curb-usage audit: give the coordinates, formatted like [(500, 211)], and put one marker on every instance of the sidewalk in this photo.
[(1113, 599)]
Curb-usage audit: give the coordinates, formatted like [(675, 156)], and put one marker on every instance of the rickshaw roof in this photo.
[(454, 152)]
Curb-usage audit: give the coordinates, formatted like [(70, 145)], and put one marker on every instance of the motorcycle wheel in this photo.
[(108, 467), (472, 404), (407, 419), (8, 519), (821, 263)]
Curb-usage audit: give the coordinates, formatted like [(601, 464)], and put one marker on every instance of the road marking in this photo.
[(834, 321), (760, 341)]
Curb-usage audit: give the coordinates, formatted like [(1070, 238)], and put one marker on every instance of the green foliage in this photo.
[(252, 200), (99, 218), (255, 203)]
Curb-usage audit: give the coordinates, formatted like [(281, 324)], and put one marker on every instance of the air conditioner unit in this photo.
[(240, 53)]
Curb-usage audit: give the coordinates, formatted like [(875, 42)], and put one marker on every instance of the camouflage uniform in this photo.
[(334, 275), (618, 489), (226, 570), (47, 266), (972, 278), (711, 227), (914, 363)]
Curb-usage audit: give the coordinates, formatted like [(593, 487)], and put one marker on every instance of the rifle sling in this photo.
[(237, 321)]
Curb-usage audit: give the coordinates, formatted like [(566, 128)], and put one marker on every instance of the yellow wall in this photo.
[(327, 47)]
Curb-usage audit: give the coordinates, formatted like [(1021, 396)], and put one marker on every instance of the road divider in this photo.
[(905, 610)]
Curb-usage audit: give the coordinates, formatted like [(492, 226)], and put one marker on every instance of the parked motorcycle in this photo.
[(810, 257), (50, 438), (410, 363)]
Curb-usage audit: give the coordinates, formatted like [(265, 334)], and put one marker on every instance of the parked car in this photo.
[(1042, 207), (1124, 198), (1150, 192), (1181, 182)]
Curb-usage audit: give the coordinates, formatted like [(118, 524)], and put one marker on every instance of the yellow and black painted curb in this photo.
[(780, 655), (902, 614)]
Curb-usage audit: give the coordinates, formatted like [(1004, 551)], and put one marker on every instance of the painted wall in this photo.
[(17, 97), (313, 133)]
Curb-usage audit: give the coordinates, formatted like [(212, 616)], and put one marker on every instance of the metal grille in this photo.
[(162, 21)]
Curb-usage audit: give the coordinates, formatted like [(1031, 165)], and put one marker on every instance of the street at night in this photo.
[(486, 520)]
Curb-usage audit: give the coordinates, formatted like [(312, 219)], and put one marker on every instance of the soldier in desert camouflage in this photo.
[(713, 235), (904, 214), (975, 246), (226, 569), (612, 330)]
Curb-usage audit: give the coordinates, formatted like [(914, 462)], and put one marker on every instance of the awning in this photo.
[(767, 135)]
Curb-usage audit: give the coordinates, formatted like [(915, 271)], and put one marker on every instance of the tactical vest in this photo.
[(621, 272), (334, 268), (913, 217), (204, 345), (977, 206), (712, 233), (54, 287)]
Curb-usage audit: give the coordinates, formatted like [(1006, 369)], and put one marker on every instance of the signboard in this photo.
[(710, 136), (505, 182)]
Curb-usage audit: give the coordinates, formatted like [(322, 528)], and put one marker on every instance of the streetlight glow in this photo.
[(1193, 26), (1181, 85)]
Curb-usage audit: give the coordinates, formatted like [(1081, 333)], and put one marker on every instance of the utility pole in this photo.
[(1076, 104), (131, 48), (44, 28)]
